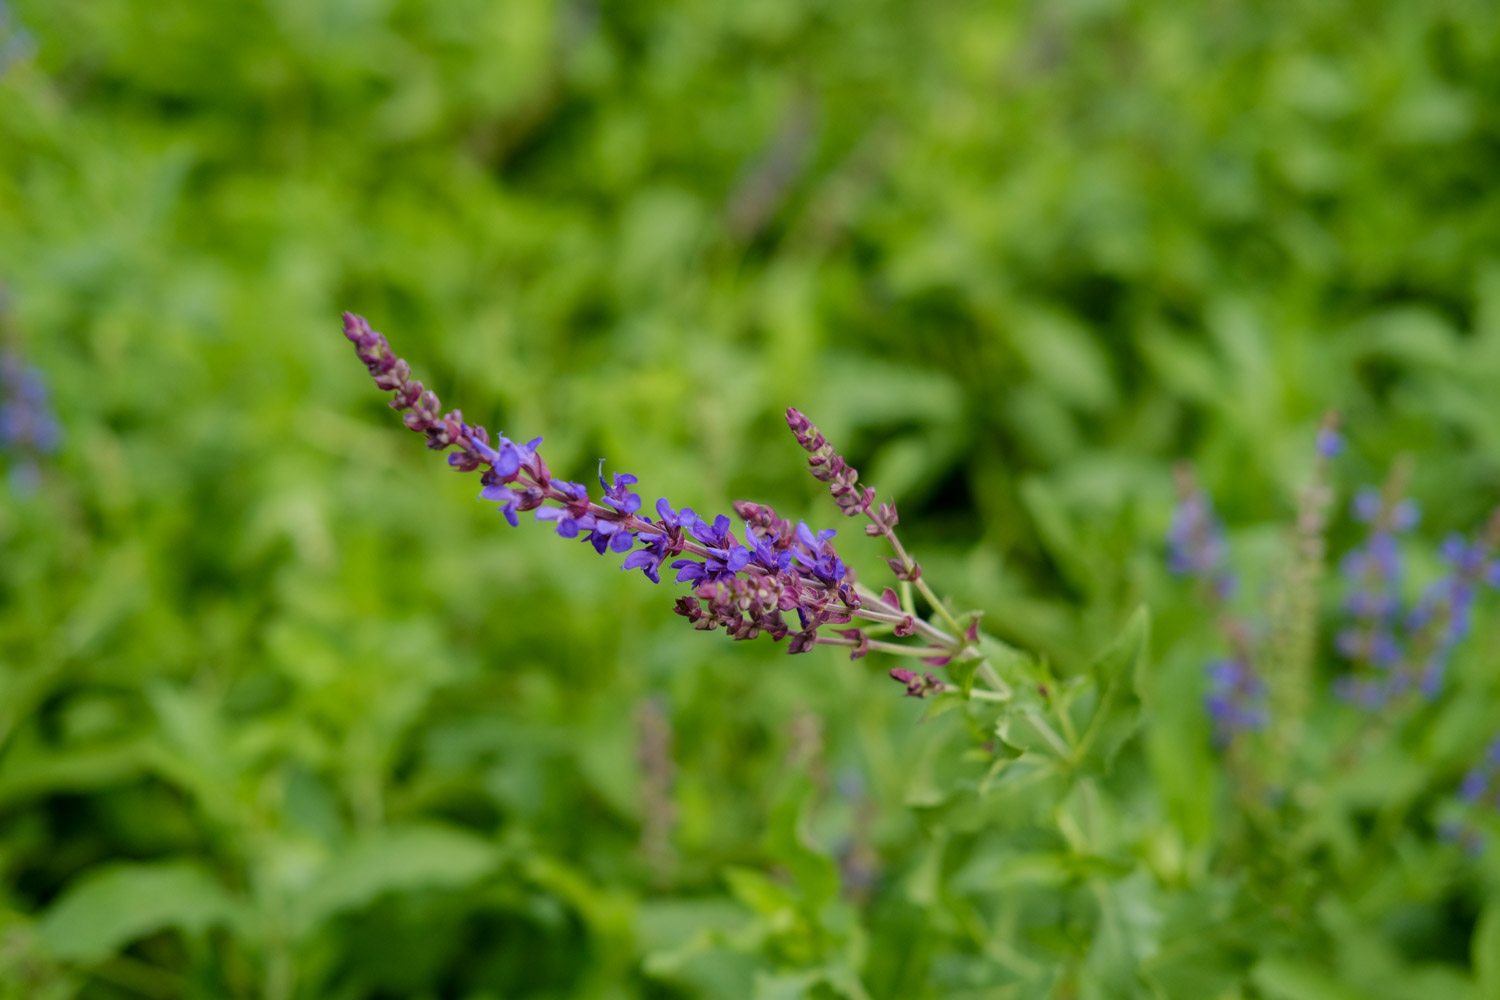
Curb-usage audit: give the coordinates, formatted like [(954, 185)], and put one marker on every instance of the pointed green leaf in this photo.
[(816, 873), (1280, 979), (108, 908), (396, 859), (1116, 674)]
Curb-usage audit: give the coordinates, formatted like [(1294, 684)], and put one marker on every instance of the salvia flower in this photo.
[(29, 430), (1372, 642), (775, 578), (1236, 699), (1442, 618), (746, 585), (816, 554), (1330, 443), (1196, 547), (1479, 793)]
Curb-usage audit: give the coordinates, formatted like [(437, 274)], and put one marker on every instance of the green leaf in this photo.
[(396, 859), (757, 891), (785, 986), (1057, 532), (1026, 729), (1014, 666), (816, 874), (110, 907), (1117, 674), (1281, 979)]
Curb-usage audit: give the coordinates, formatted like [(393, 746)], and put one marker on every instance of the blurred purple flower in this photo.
[(1195, 539), (1236, 699), (29, 430), (1330, 443), (1441, 620)]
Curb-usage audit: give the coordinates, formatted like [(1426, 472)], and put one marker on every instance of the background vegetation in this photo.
[(284, 713)]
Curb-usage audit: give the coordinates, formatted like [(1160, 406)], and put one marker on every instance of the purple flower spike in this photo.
[(828, 466), (1330, 443), (28, 429), (1480, 792), (1392, 650), (744, 587), (1196, 546), (1236, 699), (1443, 617)]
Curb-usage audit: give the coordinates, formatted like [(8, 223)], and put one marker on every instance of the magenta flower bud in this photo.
[(918, 685), (829, 467), (862, 642)]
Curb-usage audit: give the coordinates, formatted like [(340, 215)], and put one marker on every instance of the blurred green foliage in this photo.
[(283, 713)]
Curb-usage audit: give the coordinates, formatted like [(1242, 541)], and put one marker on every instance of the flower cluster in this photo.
[(1441, 619), (1394, 650), (1391, 649), (1479, 793), (776, 578), (28, 428), (1195, 539), (1236, 698), (1197, 549), (1374, 571), (829, 467)]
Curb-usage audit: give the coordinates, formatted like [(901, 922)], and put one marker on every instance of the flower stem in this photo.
[(909, 565), (895, 649), (938, 605), (926, 628), (1059, 745), (991, 676)]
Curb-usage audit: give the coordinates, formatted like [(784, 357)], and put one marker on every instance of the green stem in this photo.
[(939, 606), (1067, 726), (991, 676), (1059, 745), (895, 649), (925, 628)]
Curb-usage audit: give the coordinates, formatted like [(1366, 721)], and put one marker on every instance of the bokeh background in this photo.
[(284, 713)]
